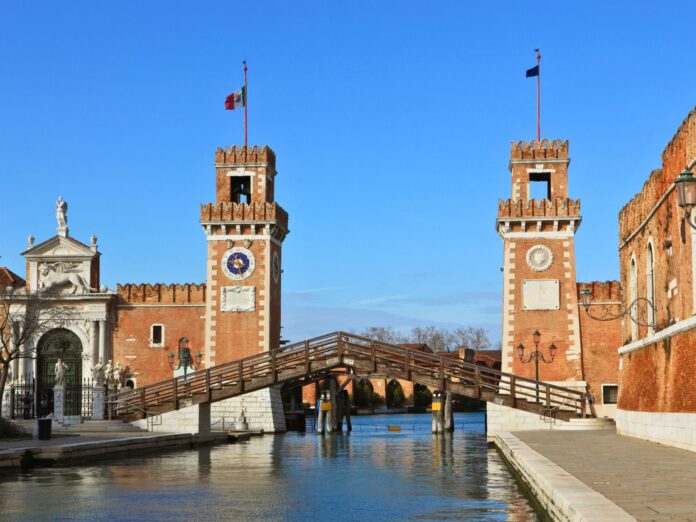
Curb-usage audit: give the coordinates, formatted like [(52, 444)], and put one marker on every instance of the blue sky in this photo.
[(391, 122)]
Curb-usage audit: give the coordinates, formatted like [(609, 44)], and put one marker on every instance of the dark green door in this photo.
[(59, 344)]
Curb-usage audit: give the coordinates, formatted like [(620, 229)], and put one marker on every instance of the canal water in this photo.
[(370, 474)]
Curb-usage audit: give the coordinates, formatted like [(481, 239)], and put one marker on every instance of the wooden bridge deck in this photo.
[(314, 359)]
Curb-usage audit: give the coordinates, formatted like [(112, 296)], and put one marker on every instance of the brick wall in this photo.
[(650, 219), (660, 377), (179, 308), (600, 339)]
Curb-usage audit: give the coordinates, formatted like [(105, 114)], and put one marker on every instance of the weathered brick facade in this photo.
[(540, 291), (657, 397), (179, 309), (236, 312)]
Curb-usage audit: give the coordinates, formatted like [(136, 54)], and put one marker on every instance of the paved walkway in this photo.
[(648, 480), (62, 440)]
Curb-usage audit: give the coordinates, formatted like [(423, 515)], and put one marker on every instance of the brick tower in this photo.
[(539, 289), (245, 229)]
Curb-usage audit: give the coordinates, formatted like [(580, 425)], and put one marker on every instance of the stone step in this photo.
[(587, 424), (102, 426)]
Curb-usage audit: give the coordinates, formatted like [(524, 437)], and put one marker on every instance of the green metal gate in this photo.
[(59, 343)]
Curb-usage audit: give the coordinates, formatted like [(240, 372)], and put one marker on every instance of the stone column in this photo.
[(102, 341), (15, 363), (95, 342), (24, 363)]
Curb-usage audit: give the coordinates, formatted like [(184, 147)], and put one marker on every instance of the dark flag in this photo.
[(534, 71)]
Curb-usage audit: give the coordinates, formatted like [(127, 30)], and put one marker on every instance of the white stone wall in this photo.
[(263, 410), (502, 419), (672, 429)]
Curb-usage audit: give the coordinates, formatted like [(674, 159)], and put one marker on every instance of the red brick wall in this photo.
[(600, 339), (237, 334), (660, 377), (180, 308), (131, 338), (554, 325), (671, 238)]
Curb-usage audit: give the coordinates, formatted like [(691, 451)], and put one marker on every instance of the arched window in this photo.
[(650, 285), (633, 294)]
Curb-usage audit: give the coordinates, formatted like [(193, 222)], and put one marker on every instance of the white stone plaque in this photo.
[(238, 299), (540, 294)]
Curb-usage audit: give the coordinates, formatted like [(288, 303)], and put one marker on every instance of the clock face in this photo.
[(238, 263)]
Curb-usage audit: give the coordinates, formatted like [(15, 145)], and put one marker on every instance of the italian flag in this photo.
[(236, 100)]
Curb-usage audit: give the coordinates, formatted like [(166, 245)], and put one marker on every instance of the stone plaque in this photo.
[(238, 299), (540, 294)]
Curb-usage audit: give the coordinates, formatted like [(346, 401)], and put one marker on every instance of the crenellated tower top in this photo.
[(245, 174), (244, 155), (539, 189), (539, 150)]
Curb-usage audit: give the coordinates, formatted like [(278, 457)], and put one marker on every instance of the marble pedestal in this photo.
[(98, 398), (59, 403)]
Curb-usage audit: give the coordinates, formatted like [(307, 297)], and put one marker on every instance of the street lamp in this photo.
[(686, 193), (535, 356), (185, 359), (638, 308)]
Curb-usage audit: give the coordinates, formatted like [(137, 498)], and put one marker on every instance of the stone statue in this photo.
[(109, 374), (117, 376), (63, 276), (98, 373), (242, 424), (59, 371), (62, 213)]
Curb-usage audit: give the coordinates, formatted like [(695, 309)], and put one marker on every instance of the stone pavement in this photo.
[(62, 440), (647, 480)]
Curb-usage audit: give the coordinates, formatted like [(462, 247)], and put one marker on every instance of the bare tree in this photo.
[(23, 318), (386, 334), (438, 339), (471, 337)]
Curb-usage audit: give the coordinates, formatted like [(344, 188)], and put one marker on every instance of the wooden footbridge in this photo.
[(315, 359)]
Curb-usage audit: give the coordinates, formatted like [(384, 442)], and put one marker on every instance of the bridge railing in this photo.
[(343, 349)]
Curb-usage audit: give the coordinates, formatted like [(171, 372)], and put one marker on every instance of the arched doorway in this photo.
[(55, 344), (395, 394)]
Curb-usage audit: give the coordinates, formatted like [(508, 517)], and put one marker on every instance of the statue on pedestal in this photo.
[(109, 374), (62, 213), (98, 373), (59, 371), (117, 376)]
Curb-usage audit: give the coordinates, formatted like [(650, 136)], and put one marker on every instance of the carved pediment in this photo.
[(59, 247)]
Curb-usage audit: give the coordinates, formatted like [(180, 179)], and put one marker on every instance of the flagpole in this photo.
[(246, 102), (538, 96)]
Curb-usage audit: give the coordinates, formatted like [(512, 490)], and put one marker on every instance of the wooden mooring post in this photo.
[(443, 416)]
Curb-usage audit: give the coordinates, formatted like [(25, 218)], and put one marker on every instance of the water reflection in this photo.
[(358, 476)]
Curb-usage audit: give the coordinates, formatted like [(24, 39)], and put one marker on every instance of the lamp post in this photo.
[(535, 356), (686, 193), (635, 311), (185, 359)]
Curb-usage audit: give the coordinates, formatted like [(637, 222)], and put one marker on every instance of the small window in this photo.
[(157, 335), (241, 189), (540, 185), (610, 393)]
